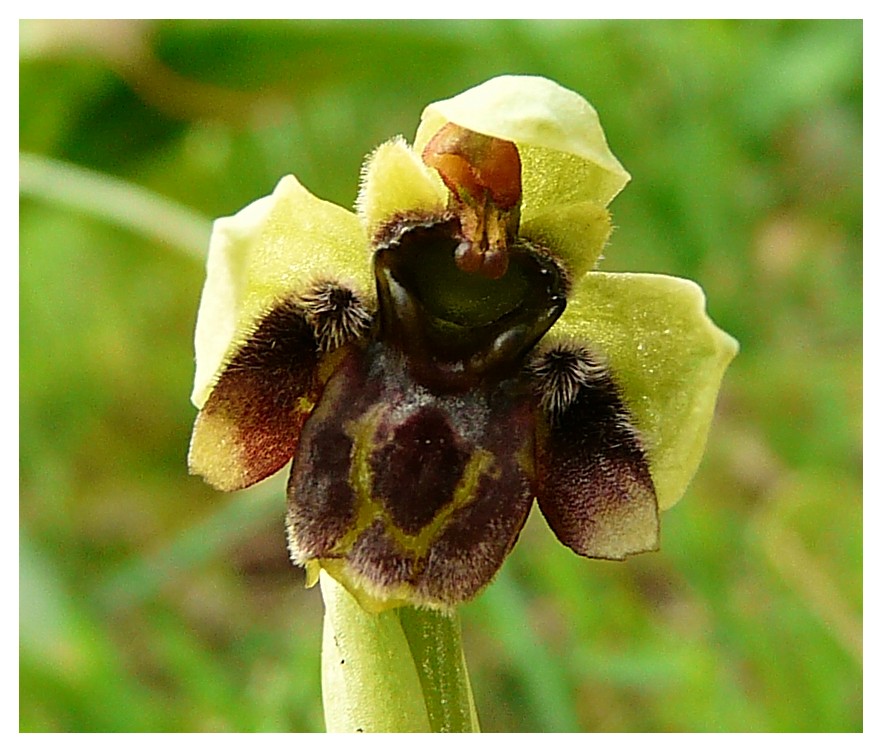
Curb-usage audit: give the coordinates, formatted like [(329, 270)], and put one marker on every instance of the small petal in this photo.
[(666, 356), (594, 485), (563, 150), (249, 426), (396, 182), (271, 251), (577, 234)]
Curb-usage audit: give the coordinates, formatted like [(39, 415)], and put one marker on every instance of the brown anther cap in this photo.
[(483, 175)]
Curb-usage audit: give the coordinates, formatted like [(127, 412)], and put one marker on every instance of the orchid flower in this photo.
[(448, 353)]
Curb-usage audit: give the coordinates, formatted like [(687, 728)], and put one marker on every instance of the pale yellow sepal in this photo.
[(564, 154), (229, 250), (667, 357), (396, 181), (271, 250)]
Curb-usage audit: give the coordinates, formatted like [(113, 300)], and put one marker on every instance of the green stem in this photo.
[(436, 646), (399, 670), (115, 201)]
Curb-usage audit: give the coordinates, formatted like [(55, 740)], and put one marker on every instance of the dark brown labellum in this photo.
[(422, 494)]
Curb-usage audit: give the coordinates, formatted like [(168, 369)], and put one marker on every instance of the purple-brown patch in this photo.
[(417, 469), (322, 502)]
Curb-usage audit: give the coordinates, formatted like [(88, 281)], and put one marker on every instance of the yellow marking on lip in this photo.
[(304, 405), (370, 508), (361, 477), (480, 462)]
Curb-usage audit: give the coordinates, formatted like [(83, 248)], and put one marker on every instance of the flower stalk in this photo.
[(399, 670)]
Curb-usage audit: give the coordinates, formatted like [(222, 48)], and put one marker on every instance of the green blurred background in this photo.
[(149, 602)]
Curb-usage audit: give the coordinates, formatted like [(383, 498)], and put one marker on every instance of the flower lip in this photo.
[(463, 326)]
